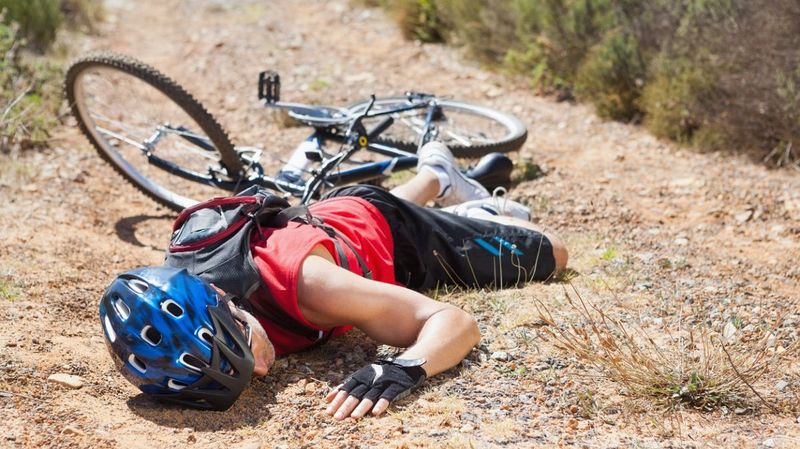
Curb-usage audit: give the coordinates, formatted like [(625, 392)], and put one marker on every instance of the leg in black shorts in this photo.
[(433, 247)]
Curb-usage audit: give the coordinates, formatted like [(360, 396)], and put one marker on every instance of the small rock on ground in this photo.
[(501, 355), (71, 430), (66, 380)]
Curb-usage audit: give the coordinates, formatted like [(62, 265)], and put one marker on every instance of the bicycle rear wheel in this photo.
[(470, 131), (153, 132)]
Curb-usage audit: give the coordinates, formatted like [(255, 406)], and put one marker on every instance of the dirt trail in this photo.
[(713, 236)]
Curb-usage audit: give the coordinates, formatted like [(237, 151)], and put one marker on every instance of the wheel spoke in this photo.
[(118, 136), (126, 107), (131, 129), (124, 126)]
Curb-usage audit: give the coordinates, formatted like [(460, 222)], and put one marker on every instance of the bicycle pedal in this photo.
[(269, 86)]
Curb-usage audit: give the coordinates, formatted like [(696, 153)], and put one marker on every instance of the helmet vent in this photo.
[(191, 362), (137, 285), (206, 335), (122, 309), (176, 385), (112, 336), (137, 363), (151, 335), (172, 308)]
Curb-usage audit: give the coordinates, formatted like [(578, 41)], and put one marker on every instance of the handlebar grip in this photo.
[(382, 126)]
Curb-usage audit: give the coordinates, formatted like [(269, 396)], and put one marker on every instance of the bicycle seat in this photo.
[(314, 115), (492, 171)]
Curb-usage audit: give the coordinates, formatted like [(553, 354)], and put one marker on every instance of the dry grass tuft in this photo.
[(688, 367)]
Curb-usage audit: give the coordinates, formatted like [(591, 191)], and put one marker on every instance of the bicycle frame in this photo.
[(307, 190), (364, 172), (160, 158), (325, 131)]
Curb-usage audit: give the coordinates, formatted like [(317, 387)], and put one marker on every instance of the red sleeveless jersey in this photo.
[(281, 253)]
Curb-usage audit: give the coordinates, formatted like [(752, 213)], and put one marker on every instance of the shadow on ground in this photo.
[(126, 229), (251, 408), (326, 366)]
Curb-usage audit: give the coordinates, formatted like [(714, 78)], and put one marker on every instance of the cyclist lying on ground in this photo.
[(394, 249)]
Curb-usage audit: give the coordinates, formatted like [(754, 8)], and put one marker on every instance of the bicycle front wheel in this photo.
[(153, 132), (470, 131)]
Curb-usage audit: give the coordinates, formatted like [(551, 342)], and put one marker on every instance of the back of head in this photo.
[(171, 336)]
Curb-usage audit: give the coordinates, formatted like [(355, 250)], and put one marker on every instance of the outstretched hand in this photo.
[(373, 387), (343, 405)]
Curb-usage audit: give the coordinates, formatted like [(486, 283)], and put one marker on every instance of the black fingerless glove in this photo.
[(385, 379)]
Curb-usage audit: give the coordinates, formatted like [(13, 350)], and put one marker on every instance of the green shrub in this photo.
[(418, 19), (486, 27), (709, 73), (674, 98), (537, 59), (30, 86), (728, 77), (83, 14), (30, 94), (39, 20), (612, 77)]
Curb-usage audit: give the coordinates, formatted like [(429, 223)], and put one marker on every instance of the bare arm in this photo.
[(330, 296)]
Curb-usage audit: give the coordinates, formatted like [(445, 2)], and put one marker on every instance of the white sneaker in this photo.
[(436, 154), (496, 205)]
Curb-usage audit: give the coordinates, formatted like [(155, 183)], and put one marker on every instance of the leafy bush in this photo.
[(29, 96), (486, 27), (30, 87), (39, 20), (709, 73), (418, 19), (612, 77), (674, 98), (83, 14), (728, 77)]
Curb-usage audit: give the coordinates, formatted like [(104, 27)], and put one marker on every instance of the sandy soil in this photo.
[(656, 233)]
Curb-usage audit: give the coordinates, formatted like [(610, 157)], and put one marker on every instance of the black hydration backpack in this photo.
[(212, 240)]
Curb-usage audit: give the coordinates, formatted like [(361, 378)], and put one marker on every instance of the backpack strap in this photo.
[(268, 216), (303, 215), (269, 308), (336, 237)]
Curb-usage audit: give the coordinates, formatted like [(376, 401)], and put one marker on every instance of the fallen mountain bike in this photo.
[(162, 140)]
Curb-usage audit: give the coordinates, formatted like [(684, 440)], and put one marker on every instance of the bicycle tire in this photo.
[(172, 91), (513, 138)]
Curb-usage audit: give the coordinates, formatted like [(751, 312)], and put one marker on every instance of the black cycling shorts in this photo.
[(435, 248)]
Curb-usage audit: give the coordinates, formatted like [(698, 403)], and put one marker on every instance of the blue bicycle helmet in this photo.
[(170, 336)]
